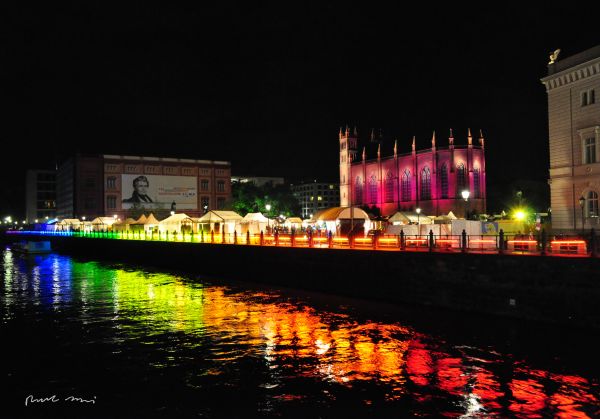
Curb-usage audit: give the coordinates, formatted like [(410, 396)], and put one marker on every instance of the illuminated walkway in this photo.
[(564, 247)]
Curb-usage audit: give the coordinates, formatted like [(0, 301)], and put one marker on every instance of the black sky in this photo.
[(267, 86)]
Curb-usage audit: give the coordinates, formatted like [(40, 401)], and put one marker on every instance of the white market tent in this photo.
[(150, 223), (68, 224), (400, 218), (215, 220), (175, 223), (141, 220), (254, 222), (293, 222), (333, 218), (102, 223)]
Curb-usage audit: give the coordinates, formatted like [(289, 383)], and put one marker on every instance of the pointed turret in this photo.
[(355, 131), (481, 140), (433, 140), (379, 151), (451, 148), (413, 144), (395, 148), (364, 153), (372, 136), (341, 133), (469, 137), (347, 130)]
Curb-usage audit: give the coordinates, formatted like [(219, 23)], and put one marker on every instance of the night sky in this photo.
[(267, 87)]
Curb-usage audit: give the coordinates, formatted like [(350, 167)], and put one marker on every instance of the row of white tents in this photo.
[(329, 219), (227, 221)]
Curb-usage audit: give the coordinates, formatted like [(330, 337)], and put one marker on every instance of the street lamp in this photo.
[(582, 205), (418, 210), (465, 194), (268, 208)]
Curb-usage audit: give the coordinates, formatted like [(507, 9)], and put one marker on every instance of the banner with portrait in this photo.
[(159, 192)]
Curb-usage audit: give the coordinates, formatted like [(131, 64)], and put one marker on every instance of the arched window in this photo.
[(358, 191), (444, 180), (592, 204), (476, 183), (425, 184), (373, 189), (389, 187), (461, 179), (406, 185)]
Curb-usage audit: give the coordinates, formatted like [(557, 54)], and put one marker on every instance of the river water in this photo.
[(92, 339)]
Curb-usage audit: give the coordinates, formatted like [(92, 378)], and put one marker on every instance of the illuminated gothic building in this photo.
[(432, 179)]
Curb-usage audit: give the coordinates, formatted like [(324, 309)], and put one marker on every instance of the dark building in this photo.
[(315, 196), (105, 185), (40, 195)]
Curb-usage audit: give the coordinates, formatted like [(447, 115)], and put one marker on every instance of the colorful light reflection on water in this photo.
[(175, 341)]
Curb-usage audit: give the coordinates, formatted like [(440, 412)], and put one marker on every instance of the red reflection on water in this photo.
[(419, 363), (450, 375)]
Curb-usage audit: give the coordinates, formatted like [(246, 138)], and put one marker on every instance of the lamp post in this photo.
[(418, 210), (582, 205), (268, 208), (465, 194)]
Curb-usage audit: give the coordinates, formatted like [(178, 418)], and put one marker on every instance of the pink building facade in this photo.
[(432, 179)]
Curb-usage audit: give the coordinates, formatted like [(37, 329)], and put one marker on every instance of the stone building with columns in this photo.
[(573, 86), (432, 179)]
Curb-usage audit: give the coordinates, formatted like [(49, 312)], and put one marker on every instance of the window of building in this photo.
[(405, 184), (444, 180), (588, 97), (589, 150), (476, 183), (592, 204), (358, 191), (373, 189), (220, 186), (204, 185), (111, 202), (111, 182), (461, 179), (89, 203), (389, 187), (425, 184), (204, 202), (220, 203), (90, 182)]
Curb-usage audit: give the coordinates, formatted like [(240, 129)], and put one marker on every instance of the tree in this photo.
[(246, 197)]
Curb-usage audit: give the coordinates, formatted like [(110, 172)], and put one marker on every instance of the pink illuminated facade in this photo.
[(432, 179)]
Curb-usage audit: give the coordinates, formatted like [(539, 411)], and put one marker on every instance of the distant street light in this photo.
[(582, 205), (465, 194), (418, 210)]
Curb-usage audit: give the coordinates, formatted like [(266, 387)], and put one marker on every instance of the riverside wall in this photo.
[(560, 290)]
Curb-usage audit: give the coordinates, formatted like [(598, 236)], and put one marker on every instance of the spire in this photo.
[(372, 138), (364, 153), (355, 131), (395, 148), (470, 137), (379, 151), (413, 144), (433, 140), (347, 130), (341, 134), (481, 140), (451, 138)]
